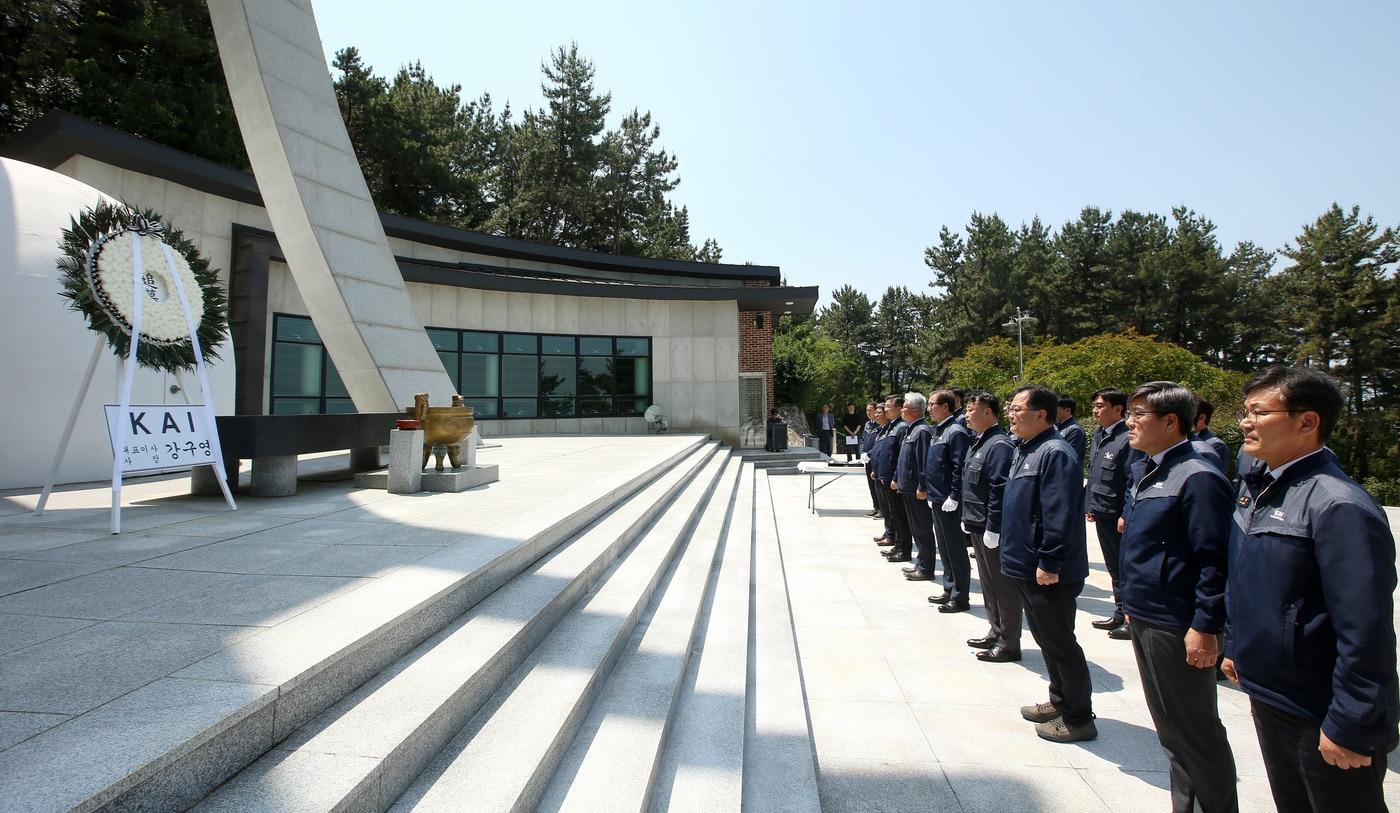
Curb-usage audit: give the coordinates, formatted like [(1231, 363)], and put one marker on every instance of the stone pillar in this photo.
[(405, 461), (274, 476)]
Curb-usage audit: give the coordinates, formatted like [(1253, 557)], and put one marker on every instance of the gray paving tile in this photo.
[(120, 549), (350, 560), (18, 726), (240, 555), (79, 671), (89, 753), (1131, 791), (322, 531), (986, 735), (18, 575), (245, 600), (850, 679), (21, 540), (17, 631), (1005, 786), (877, 786), (864, 730), (107, 594), (226, 525)]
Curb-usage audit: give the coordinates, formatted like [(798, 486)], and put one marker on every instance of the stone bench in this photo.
[(273, 442)]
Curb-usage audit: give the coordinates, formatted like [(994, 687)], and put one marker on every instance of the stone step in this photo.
[(167, 744), (505, 757), (779, 759), (614, 760), (703, 766), (365, 749)]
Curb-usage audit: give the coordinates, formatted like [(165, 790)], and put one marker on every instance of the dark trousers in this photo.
[(1182, 701), (874, 495), (1299, 778), (882, 496), (921, 528), (952, 546), (1110, 542), (1050, 613), (824, 441), (1000, 595), (899, 521)]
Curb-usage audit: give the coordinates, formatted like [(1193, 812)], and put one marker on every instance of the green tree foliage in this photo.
[(148, 67), (811, 368), (850, 321)]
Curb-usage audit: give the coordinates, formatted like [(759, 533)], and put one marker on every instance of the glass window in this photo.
[(557, 376), (340, 406), (633, 376), (634, 347), (443, 339), (518, 408), (520, 376), (557, 407), (520, 343), (449, 363), (484, 408), (593, 346), (633, 406), (296, 406), (335, 388), (296, 329), (557, 345), (296, 369), (595, 377), (476, 342), (480, 375), (595, 407)]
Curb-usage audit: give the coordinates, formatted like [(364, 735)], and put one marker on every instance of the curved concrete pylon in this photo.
[(319, 203)]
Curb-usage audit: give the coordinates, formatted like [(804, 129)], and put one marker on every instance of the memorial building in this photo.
[(538, 339)]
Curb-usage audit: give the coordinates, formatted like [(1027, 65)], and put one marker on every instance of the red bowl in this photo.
[(408, 423)]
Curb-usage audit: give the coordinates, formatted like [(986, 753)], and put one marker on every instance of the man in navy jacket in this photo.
[(1103, 496), (942, 472), (886, 455), (1174, 549), (909, 478), (1068, 425), (1042, 548), (1312, 574), (983, 486)]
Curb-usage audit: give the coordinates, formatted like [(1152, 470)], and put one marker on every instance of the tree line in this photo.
[(1333, 302), (557, 174)]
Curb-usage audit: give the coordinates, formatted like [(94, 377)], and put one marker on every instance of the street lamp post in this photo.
[(1017, 321)]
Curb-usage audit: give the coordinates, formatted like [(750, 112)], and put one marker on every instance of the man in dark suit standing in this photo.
[(909, 478), (1201, 433), (1173, 587), (1310, 600), (1103, 496), (942, 476), (1069, 428), (1042, 548), (824, 424), (886, 458), (983, 484)]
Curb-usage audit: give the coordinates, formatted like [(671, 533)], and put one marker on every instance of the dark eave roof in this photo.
[(59, 136)]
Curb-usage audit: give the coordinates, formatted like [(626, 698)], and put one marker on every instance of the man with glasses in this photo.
[(886, 459), (1103, 497), (1043, 550), (867, 440), (1174, 544), (983, 486), (909, 478), (1312, 574), (943, 489)]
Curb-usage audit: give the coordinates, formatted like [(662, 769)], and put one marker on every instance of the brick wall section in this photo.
[(756, 344)]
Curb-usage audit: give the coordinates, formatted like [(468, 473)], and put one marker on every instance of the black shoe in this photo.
[(999, 654), (885, 543), (872, 513), (943, 599), (918, 576), (954, 607), (893, 551), (1121, 633), (899, 558), (981, 643), (883, 538), (1107, 623)]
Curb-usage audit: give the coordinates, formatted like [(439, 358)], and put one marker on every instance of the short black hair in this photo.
[(1066, 402), (1304, 390), (946, 398), (1040, 397), (898, 399), (1112, 396), (1170, 398), (986, 399), (1204, 409), (959, 394)]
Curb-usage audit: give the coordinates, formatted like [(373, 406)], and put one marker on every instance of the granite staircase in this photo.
[(644, 661)]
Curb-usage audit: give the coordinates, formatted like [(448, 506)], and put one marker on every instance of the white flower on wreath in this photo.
[(162, 318)]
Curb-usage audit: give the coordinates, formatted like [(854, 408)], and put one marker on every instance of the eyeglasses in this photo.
[(1139, 414), (1016, 410), (1256, 414)]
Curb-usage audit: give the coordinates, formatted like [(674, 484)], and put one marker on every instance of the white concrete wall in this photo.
[(47, 346)]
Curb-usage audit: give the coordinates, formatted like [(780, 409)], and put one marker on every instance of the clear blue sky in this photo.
[(833, 139)]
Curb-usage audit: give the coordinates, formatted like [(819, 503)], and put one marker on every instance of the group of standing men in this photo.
[(1283, 581)]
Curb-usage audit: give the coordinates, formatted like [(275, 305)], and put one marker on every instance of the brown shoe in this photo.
[(1057, 730), (1040, 712)]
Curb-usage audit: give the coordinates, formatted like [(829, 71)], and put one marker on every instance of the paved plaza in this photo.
[(905, 719)]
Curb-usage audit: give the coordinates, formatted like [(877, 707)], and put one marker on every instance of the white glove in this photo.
[(950, 504), (963, 526), (991, 540)]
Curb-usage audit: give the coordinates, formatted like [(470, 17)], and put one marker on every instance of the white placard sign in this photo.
[(162, 436)]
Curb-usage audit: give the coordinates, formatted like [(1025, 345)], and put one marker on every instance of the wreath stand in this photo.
[(128, 376)]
